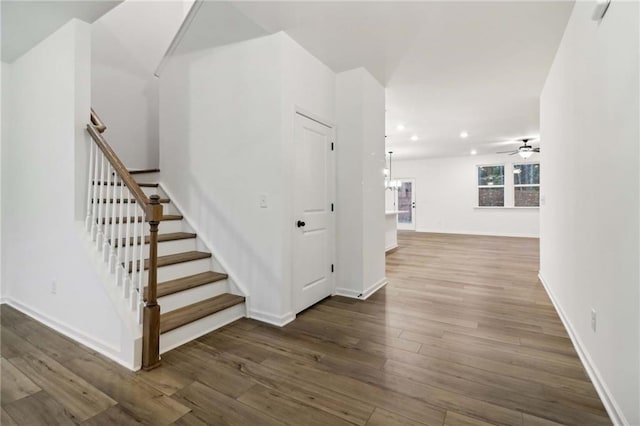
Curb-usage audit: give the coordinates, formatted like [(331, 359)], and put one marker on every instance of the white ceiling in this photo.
[(447, 66), (25, 23)]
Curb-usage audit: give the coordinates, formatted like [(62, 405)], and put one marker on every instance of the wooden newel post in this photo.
[(151, 313)]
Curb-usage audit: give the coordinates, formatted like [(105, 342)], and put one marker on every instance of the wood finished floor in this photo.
[(463, 334)]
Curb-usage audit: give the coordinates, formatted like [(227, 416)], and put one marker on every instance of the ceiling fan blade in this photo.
[(507, 152), (514, 153), (536, 149)]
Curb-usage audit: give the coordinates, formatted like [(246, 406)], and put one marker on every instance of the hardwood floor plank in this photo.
[(6, 419), (40, 409), (78, 396), (456, 419), (291, 411), (212, 407), (143, 401), (115, 415), (381, 417), (15, 384), (343, 406)]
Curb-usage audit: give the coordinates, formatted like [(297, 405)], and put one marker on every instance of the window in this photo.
[(491, 186), (526, 185)]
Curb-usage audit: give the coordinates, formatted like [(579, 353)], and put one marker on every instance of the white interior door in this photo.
[(406, 204), (312, 201)]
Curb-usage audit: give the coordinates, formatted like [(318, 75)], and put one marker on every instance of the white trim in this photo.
[(72, 333), (391, 247), (347, 292), (480, 233), (276, 320), (610, 404), (374, 287)]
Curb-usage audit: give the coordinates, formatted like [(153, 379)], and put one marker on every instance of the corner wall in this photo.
[(589, 230), (48, 271), (447, 197), (360, 156)]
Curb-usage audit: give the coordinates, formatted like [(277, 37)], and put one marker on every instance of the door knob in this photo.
[(301, 224)]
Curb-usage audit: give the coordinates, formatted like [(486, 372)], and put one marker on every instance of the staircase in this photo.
[(194, 298), (170, 283)]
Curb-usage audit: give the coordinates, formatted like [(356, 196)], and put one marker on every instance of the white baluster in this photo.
[(120, 268), (127, 248), (94, 220), (103, 172), (140, 286), (92, 147), (135, 260), (114, 213), (109, 221)]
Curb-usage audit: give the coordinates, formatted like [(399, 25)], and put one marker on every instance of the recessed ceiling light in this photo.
[(464, 134), (400, 127), (414, 138), (474, 152)]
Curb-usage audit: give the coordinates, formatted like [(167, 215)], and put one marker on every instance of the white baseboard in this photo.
[(97, 345), (277, 320), (485, 234), (347, 292), (610, 404), (374, 287), (391, 247)]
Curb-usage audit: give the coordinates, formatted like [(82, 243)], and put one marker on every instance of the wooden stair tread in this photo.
[(185, 283), (170, 236), (138, 172), (126, 201), (188, 314), (172, 259), (142, 185), (140, 219)]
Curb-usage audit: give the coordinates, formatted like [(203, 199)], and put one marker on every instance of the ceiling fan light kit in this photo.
[(525, 151)]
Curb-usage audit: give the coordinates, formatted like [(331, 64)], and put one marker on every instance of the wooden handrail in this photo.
[(153, 215), (95, 119)]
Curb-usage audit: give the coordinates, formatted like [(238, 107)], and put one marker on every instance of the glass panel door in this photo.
[(406, 204)]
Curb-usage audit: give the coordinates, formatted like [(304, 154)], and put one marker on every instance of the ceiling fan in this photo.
[(525, 150)]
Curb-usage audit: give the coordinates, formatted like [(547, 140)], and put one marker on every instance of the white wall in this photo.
[(226, 137), (127, 45), (360, 162), (590, 122), (44, 153), (447, 197)]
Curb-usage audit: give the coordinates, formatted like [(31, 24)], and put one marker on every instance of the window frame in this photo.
[(525, 185), (503, 186), (508, 186)]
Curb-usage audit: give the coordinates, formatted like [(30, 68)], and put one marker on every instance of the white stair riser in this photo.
[(151, 191), (181, 270), (106, 209), (146, 177), (191, 331), (193, 295), (165, 227), (172, 247)]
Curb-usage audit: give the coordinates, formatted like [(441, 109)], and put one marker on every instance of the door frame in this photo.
[(412, 226), (332, 196)]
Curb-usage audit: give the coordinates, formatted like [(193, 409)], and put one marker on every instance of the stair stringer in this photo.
[(217, 261), (130, 354)]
